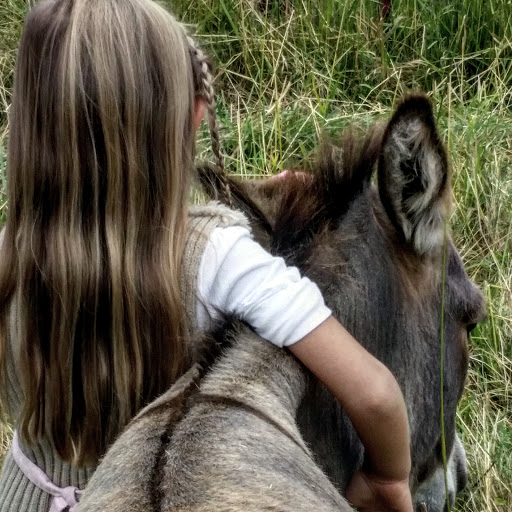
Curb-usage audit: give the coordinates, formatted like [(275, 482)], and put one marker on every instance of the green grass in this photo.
[(287, 75)]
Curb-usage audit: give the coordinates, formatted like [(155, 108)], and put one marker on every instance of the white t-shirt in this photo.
[(237, 276)]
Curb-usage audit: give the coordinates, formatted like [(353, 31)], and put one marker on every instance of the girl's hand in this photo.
[(368, 493)]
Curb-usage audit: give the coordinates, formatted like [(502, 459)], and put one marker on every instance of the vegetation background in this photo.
[(289, 70)]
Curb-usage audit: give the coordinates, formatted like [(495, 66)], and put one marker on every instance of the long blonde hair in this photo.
[(101, 147)]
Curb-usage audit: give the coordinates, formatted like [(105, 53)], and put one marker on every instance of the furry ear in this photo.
[(414, 184)]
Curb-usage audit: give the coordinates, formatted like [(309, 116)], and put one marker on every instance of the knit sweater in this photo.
[(17, 493)]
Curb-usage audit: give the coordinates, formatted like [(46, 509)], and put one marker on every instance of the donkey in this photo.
[(251, 429)]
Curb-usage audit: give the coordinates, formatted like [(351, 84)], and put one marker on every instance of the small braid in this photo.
[(204, 85)]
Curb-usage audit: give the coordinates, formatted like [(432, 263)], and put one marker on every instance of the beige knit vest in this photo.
[(17, 493)]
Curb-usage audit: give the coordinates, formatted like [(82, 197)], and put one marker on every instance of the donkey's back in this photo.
[(236, 446)]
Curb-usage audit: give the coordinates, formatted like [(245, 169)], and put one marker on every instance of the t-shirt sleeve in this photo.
[(237, 276)]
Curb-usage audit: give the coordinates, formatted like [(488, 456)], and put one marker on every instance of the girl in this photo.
[(102, 263)]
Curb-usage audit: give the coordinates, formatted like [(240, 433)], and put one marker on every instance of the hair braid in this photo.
[(204, 87)]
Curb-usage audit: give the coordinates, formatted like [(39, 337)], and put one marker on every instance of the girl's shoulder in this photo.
[(216, 215), (202, 221)]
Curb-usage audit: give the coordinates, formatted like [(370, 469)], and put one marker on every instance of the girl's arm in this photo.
[(372, 399), (237, 276)]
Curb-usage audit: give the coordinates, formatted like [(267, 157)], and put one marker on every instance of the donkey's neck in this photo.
[(254, 374)]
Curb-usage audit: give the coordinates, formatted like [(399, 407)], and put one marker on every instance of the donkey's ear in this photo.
[(414, 184)]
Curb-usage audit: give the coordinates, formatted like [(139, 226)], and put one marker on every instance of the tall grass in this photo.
[(289, 70)]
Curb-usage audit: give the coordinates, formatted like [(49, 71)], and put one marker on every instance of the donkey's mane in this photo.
[(317, 196), (293, 208)]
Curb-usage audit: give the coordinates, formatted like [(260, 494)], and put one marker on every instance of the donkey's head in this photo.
[(391, 274)]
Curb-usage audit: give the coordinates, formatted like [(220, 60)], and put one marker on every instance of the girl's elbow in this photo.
[(386, 399)]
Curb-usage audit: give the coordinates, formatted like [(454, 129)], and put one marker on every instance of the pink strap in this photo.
[(64, 498), (286, 174), (281, 175)]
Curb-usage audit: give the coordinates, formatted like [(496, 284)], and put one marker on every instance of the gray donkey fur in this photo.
[(253, 430), (237, 447)]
